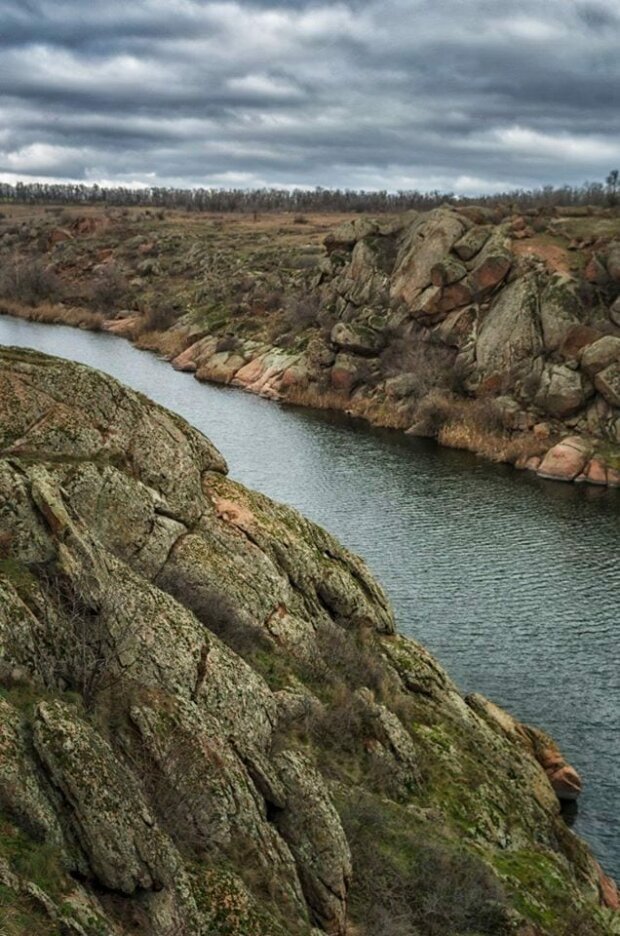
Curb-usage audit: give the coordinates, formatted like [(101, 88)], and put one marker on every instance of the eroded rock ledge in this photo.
[(208, 723)]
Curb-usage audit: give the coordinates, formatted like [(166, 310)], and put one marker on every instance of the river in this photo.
[(512, 582)]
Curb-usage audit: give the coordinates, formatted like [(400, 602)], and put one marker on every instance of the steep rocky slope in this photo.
[(485, 336), (486, 330), (209, 725)]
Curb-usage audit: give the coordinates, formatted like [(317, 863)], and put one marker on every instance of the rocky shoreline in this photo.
[(209, 723), (500, 335)]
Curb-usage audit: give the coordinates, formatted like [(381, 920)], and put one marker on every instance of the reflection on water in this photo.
[(513, 582)]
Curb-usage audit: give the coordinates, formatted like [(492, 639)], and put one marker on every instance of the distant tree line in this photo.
[(300, 200)]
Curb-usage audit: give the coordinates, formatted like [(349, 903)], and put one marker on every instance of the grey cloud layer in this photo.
[(459, 94)]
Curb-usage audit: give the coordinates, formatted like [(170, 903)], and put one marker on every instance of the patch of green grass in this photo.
[(20, 916), (38, 862), (538, 886)]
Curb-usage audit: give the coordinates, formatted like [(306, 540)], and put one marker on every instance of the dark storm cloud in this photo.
[(459, 94)]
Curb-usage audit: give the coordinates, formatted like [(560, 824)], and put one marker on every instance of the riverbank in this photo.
[(510, 581), (497, 336)]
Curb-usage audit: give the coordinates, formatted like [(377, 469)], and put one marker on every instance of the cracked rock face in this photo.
[(198, 685)]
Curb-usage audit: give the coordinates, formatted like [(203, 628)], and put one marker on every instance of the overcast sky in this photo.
[(461, 95)]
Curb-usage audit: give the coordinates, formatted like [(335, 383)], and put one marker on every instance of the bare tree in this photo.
[(87, 644)]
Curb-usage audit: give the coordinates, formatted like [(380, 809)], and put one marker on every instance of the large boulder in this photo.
[(426, 243), (607, 382), (562, 391), (509, 335), (565, 460), (599, 355), (560, 310), (472, 242), (349, 233)]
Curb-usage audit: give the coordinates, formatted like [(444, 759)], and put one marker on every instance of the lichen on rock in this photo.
[(208, 723)]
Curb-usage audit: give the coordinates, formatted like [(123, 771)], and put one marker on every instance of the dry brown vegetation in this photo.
[(53, 314)]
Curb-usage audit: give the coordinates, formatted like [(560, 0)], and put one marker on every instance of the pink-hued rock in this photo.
[(220, 368), (490, 274), (608, 890), (122, 326), (186, 360), (533, 463), (576, 339), (565, 781), (249, 373), (595, 271), (596, 472), (565, 460)]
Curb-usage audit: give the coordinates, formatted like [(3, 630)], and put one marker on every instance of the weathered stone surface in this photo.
[(447, 271), (312, 828), (491, 272), (596, 271), (472, 242), (349, 233), (510, 334), (562, 391), (118, 834), (565, 460), (576, 339), (344, 373), (607, 382), (357, 339), (612, 262), (426, 243), (560, 310), (599, 355)]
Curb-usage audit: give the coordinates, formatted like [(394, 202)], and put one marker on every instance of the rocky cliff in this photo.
[(486, 330), (486, 336), (209, 725)]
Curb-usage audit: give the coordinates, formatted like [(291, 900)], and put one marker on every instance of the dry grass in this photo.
[(315, 398), (166, 343), (494, 445), (53, 314)]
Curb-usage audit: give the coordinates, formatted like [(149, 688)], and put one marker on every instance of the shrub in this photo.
[(414, 886), (433, 413), (301, 312), (344, 658), (427, 366), (110, 289), (159, 316), (29, 282)]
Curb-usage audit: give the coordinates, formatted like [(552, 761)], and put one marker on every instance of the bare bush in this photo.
[(417, 886), (301, 312), (28, 281), (159, 316), (109, 289), (427, 366), (86, 641)]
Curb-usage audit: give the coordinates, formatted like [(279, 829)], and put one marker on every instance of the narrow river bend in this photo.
[(512, 582)]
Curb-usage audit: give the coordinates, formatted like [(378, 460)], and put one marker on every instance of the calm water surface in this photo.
[(512, 582)]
